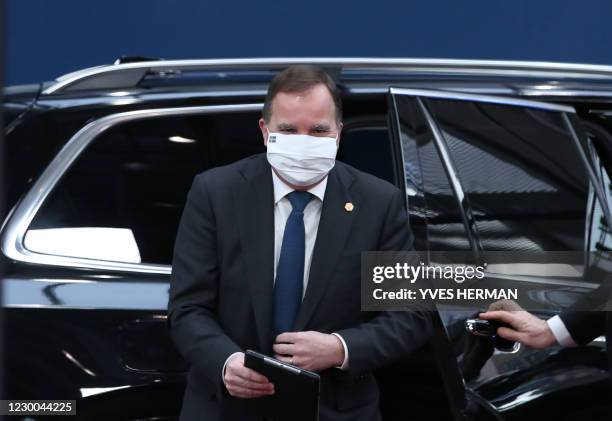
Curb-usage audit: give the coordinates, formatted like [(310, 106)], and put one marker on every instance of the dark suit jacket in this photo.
[(222, 279), (584, 326), (592, 320)]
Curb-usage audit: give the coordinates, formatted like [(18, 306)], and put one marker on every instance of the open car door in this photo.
[(487, 174)]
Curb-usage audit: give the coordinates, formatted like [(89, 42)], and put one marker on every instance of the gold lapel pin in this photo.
[(348, 206)]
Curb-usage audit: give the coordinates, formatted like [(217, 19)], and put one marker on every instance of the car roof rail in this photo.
[(135, 59), (128, 72)]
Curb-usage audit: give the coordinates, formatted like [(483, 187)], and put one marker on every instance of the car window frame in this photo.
[(21, 216)]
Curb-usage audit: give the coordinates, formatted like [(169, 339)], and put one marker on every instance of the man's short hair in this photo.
[(300, 78)]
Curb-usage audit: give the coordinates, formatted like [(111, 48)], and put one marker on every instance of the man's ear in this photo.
[(264, 130)]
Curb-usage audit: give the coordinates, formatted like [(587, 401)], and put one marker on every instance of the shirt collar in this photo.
[(281, 189)]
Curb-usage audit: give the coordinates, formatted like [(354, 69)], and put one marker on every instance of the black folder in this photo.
[(296, 391)]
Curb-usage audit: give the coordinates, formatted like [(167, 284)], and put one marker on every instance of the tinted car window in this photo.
[(434, 210), (122, 199), (521, 172), (600, 235), (368, 149)]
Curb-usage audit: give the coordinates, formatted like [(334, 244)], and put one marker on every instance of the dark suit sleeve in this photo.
[(585, 320), (389, 335), (584, 326), (194, 287)]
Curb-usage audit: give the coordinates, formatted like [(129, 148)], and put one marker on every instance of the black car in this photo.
[(511, 156)]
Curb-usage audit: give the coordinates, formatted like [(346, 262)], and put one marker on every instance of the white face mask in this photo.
[(301, 159)]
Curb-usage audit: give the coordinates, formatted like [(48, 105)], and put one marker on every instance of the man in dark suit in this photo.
[(267, 257)]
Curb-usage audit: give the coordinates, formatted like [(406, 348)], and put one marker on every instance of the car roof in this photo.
[(354, 74)]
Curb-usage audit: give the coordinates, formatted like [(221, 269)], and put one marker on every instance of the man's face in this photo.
[(311, 112)]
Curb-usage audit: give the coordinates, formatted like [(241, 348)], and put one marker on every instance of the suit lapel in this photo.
[(254, 201), (334, 227)]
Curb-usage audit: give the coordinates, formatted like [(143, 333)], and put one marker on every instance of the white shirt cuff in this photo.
[(560, 332), (344, 365), (224, 364)]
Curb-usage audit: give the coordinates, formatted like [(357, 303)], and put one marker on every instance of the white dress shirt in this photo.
[(312, 215), (560, 332)]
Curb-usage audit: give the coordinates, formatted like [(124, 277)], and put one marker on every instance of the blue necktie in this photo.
[(290, 269)]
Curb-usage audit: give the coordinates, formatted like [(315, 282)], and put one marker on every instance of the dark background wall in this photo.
[(49, 38)]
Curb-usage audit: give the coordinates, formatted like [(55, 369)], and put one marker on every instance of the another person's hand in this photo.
[(314, 351), (242, 382), (525, 328)]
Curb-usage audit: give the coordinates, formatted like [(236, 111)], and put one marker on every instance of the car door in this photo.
[(486, 175)]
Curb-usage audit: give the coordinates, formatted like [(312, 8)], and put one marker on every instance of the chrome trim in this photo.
[(60, 102), (464, 88), (62, 293), (579, 93), (13, 236), (451, 172), (565, 93), (455, 66), (541, 280), (461, 96), (516, 347), (87, 392)]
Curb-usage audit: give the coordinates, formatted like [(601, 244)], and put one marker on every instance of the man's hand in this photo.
[(524, 328), (242, 382), (314, 351)]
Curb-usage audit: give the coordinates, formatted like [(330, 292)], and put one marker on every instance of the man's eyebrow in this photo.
[(320, 126), (285, 126)]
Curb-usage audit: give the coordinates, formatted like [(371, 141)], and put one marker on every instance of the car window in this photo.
[(521, 172), (368, 149), (599, 233), (435, 215), (123, 197)]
